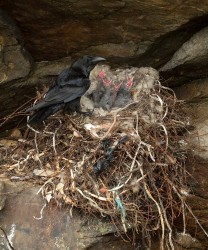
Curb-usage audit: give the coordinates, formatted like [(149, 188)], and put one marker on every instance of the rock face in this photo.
[(14, 60), (122, 29), (195, 94), (192, 50), (29, 223), (2, 195)]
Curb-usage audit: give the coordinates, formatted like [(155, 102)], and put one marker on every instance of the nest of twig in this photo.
[(127, 165)]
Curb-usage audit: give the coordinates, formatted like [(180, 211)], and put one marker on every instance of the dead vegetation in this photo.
[(128, 164)]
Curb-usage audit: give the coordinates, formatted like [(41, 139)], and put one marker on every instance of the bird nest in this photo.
[(125, 161)]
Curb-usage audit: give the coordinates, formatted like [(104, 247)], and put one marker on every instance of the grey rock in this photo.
[(2, 195), (30, 223), (15, 61)]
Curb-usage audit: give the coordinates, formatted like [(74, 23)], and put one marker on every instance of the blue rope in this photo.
[(120, 207)]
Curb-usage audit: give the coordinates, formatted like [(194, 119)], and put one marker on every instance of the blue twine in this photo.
[(120, 206)]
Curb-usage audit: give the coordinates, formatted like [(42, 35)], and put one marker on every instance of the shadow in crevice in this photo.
[(165, 46)]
